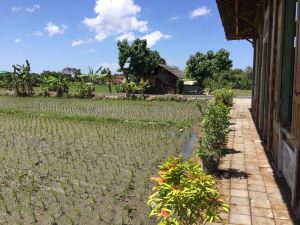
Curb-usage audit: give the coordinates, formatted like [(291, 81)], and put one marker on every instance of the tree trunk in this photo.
[(109, 85)]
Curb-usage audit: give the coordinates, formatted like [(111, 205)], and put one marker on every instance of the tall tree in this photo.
[(137, 59), (201, 66)]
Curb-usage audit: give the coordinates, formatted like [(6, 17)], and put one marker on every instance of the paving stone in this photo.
[(256, 194), (282, 214), (240, 219), (262, 212), (259, 188), (262, 220), (239, 201), (284, 222), (260, 203), (257, 199), (240, 209), (239, 193)]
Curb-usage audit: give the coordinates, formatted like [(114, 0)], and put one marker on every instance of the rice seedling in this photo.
[(70, 161)]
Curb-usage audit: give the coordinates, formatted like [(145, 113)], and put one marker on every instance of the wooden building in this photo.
[(272, 27), (164, 80)]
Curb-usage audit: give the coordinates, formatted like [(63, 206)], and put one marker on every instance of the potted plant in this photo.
[(215, 127), (185, 195)]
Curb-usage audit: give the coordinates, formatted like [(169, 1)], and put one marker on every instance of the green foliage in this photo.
[(179, 86), (143, 86), (6, 80), (224, 95), (86, 84), (85, 90), (201, 66), (107, 77), (21, 80), (58, 84), (137, 59), (215, 127), (185, 195), (233, 78), (84, 153)]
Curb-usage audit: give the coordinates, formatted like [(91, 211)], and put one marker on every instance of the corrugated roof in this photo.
[(173, 70)]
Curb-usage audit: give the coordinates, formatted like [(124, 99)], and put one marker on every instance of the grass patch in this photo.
[(238, 92)]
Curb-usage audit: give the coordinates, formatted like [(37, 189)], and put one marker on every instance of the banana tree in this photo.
[(22, 80), (143, 86), (108, 77), (93, 77), (60, 84)]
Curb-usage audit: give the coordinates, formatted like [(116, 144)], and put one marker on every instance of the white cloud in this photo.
[(77, 42), (201, 11), (129, 36), (17, 40), (80, 42), (28, 9), (118, 17), (91, 50), (54, 29), (112, 66), (154, 37), (33, 8), (173, 18), (38, 33), (16, 9)]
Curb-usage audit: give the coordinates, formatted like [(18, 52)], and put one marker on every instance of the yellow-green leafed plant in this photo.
[(224, 95), (185, 195)]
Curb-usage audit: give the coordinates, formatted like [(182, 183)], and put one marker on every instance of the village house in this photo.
[(273, 28), (119, 78), (70, 71), (164, 80)]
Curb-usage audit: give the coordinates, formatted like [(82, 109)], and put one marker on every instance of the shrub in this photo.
[(215, 127), (185, 195), (179, 86), (224, 95), (85, 90)]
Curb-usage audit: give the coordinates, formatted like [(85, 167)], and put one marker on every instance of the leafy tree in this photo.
[(233, 78), (6, 80), (201, 66), (137, 60)]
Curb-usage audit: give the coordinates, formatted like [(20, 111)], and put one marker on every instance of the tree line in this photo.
[(137, 62)]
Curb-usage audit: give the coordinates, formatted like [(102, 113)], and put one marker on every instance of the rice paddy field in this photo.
[(73, 161)]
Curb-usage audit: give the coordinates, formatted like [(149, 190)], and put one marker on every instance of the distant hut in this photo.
[(163, 81)]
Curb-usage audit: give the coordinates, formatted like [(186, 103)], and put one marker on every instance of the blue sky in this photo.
[(53, 34)]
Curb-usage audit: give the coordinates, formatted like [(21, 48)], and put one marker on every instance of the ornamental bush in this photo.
[(185, 195), (224, 95), (215, 127)]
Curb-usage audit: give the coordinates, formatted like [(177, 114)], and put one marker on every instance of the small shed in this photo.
[(191, 87), (164, 80)]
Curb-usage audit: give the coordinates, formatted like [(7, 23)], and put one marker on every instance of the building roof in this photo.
[(173, 70), (239, 17)]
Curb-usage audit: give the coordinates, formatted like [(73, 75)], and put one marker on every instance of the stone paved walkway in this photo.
[(247, 180)]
